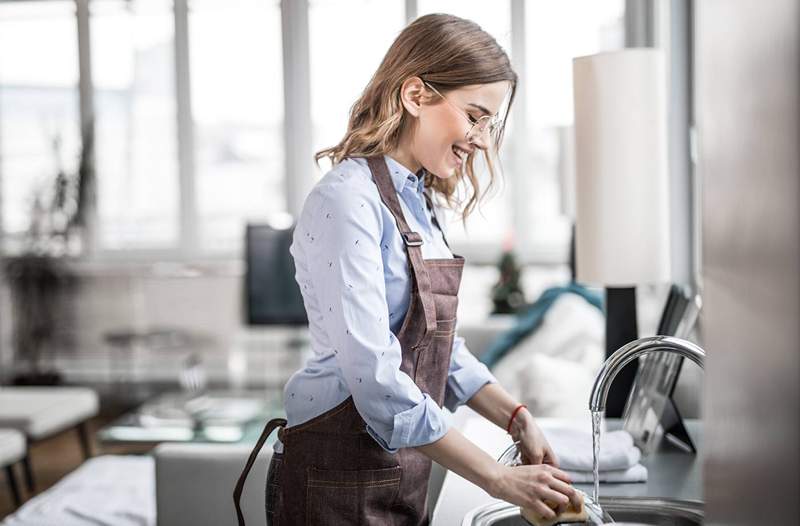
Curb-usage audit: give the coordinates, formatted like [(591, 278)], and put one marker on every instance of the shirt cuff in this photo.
[(464, 383), (422, 424)]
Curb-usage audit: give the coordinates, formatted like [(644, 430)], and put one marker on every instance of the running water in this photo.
[(597, 421)]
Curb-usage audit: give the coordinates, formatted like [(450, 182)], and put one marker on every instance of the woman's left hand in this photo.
[(532, 443)]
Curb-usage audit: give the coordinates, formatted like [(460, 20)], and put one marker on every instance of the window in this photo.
[(554, 34), (348, 39), (132, 49), (237, 105), (494, 17), (39, 112), (490, 222), (237, 120)]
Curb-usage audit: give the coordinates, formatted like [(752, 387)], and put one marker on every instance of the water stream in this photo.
[(597, 422)]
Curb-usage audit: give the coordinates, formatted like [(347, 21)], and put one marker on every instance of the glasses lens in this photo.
[(483, 123), (486, 129)]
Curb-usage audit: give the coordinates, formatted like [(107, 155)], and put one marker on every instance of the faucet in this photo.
[(629, 352)]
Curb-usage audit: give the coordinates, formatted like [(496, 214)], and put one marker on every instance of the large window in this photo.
[(183, 179), (39, 124), (493, 17), (347, 41), (555, 32), (237, 103), (132, 50)]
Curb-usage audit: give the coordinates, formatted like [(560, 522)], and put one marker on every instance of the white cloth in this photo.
[(109, 490), (574, 450), (637, 473)]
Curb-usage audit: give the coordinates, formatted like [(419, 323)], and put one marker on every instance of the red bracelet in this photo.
[(511, 420)]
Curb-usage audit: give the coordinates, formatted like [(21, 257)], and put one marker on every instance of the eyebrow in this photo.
[(484, 110)]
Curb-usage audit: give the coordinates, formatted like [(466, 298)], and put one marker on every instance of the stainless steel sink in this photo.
[(657, 512)]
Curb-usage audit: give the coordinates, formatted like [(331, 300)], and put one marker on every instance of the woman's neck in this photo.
[(402, 154)]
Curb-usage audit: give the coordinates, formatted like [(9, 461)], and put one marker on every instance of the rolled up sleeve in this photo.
[(348, 276), (466, 377)]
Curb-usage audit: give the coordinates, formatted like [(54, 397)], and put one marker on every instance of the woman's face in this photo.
[(439, 141)]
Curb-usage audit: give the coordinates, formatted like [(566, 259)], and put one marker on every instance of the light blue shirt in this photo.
[(353, 272)]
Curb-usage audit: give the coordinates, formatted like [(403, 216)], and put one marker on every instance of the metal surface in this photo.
[(633, 350), (666, 512), (747, 102)]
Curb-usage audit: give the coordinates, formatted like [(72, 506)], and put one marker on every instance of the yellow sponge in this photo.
[(572, 514)]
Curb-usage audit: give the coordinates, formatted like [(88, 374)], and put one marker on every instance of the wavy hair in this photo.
[(447, 52)]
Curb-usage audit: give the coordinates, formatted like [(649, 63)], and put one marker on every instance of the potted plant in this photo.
[(507, 294), (39, 277)]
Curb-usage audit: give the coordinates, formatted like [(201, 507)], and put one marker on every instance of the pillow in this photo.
[(550, 386), (552, 370), (532, 317)]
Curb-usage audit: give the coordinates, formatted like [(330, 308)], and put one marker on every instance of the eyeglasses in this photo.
[(478, 128)]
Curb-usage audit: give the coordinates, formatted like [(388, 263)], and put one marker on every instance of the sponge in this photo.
[(572, 514)]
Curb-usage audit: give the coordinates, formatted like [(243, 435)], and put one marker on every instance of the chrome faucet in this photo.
[(629, 352)]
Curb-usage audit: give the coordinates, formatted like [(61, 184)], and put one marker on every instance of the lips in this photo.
[(454, 160), (459, 155)]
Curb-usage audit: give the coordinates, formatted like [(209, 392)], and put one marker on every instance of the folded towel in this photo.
[(637, 473), (573, 447)]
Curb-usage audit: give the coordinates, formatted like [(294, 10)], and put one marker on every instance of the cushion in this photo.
[(553, 369), (12, 446), (530, 319), (42, 411)]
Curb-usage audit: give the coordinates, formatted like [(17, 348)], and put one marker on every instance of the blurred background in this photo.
[(138, 138), (154, 155)]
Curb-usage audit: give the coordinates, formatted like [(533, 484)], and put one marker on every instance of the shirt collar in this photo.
[(403, 177)]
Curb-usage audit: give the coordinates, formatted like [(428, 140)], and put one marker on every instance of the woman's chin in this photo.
[(449, 169)]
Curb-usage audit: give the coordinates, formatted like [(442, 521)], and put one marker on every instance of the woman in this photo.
[(364, 416)]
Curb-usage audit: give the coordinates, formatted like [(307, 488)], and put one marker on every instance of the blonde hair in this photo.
[(447, 52)]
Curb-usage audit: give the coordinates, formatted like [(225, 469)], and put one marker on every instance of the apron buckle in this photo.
[(412, 239)]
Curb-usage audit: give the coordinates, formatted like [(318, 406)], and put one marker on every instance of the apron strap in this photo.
[(413, 241), (237, 492), (435, 220)]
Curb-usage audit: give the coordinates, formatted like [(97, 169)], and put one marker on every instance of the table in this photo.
[(214, 416)]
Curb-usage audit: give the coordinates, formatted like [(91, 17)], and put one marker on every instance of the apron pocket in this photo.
[(339, 497), (274, 494)]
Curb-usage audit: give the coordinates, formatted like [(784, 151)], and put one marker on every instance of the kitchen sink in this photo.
[(650, 511)]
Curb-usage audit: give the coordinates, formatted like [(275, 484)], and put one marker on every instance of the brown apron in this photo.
[(332, 471)]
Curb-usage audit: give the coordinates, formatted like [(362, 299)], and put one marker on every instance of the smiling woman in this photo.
[(365, 415), (442, 54), (483, 126)]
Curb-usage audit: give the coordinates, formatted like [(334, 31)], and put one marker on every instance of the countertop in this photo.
[(672, 473)]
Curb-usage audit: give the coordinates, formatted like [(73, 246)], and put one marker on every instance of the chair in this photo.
[(12, 450), (42, 412)]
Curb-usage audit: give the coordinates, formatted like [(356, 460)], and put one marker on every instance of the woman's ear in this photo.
[(412, 93)]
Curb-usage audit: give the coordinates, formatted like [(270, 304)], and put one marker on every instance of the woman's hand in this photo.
[(533, 445), (541, 488)]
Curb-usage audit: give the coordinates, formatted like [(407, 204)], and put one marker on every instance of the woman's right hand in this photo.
[(541, 488)]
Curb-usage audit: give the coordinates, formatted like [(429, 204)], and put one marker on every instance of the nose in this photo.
[(479, 139)]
